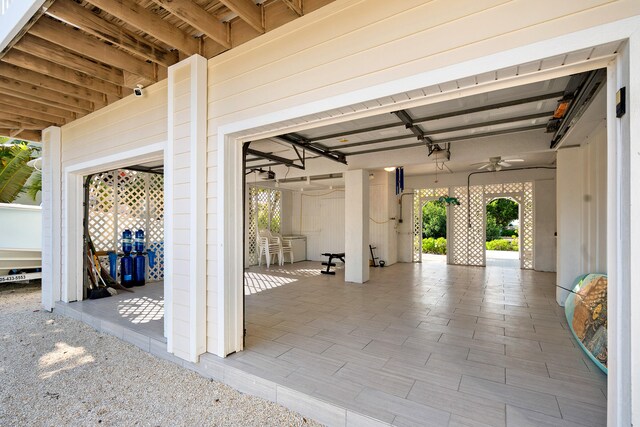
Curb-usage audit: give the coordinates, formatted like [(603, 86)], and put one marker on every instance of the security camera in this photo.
[(137, 91)]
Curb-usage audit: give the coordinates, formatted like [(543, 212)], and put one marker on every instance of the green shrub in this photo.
[(502, 245), (434, 246), (509, 233), (493, 229)]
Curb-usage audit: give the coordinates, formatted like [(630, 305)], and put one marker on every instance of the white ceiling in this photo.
[(469, 148)]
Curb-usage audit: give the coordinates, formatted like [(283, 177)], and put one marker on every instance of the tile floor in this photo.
[(423, 344), (141, 311)]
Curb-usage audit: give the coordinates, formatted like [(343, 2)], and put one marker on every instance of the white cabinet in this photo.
[(299, 246)]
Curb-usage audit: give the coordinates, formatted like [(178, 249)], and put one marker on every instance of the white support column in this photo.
[(569, 216), (623, 234), (185, 199), (51, 219), (356, 226)]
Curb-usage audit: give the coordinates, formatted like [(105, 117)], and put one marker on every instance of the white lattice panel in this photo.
[(265, 213), (155, 224), (526, 228), (101, 211), (476, 232), (127, 199), (420, 197), (459, 230)]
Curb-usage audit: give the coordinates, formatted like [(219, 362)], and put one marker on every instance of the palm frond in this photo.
[(14, 173), (35, 186)]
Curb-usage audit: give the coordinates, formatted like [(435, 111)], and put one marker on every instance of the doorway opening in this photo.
[(123, 247), (502, 233), (434, 232)]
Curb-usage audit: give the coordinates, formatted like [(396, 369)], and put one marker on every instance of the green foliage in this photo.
[(434, 220), (509, 233), (503, 211), (14, 171), (266, 201), (434, 246), (493, 230), (502, 245)]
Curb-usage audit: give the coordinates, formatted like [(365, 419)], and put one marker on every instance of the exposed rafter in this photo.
[(54, 53), (295, 5), (198, 18), (90, 47), (90, 22), (150, 23), (29, 135), (248, 11), (44, 67), (28, 91), (44, 81), (34, 105)]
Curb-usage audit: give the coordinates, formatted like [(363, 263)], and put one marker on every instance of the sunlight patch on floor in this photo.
[(141, 310), (256, 282)]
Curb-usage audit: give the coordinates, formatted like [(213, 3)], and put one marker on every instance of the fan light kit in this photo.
[(496, 164)]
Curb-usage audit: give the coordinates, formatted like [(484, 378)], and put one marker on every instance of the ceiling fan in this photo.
[(497, 164)]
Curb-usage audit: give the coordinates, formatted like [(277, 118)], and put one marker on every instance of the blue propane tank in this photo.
[(126, 263)]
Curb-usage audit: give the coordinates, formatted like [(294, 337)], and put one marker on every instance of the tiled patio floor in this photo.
[(423, 344), (419, 344)]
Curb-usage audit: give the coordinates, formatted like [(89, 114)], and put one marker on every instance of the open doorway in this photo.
[(502, 233), (123, 251), (434, 232)]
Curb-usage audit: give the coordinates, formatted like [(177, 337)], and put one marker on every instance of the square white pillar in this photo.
[(356, 211)]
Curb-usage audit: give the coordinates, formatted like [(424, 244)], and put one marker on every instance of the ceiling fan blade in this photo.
[(504, 164), (486, 165), (514, 160)]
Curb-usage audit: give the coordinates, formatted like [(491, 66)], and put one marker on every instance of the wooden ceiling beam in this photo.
[(31, 92), (295, 5), (42, 66), (23, 121), (54, 53), (36, 106), (248, 11), (150, 23), (90, 22), (44, 81), (29, 135), (5, 106), (90, 47), (199, 19)]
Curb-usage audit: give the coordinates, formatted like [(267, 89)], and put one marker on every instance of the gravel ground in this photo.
[(56, 371)]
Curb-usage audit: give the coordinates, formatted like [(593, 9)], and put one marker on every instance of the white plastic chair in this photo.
[(268, 246), (285, 248)]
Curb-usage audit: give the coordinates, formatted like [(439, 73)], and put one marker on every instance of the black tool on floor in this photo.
[(330, 264), (374, 258)]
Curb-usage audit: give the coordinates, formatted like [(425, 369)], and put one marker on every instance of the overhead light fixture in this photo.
[(390, 168), (371, 176)]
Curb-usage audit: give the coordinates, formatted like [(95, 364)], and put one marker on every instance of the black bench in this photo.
[(330, 264)]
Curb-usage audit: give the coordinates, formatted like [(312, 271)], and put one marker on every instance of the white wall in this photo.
[(581, 209), (544, 238)]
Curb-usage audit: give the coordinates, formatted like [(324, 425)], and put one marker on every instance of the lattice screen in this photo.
[(265, 213), (521, 192), (420, 197), (467, 226), (476, 237), (526, 228), (138, 200), (459, 228)]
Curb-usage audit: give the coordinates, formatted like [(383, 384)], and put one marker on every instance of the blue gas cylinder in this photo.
[(126, 241), (126, 271), (139, 241)]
